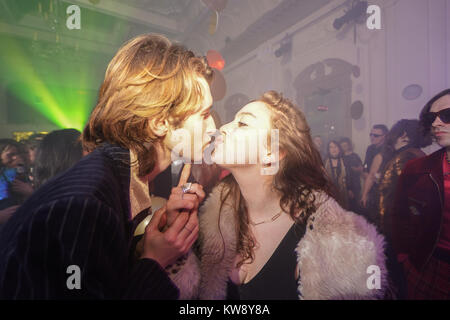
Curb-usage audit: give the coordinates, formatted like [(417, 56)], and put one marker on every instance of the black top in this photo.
[(371, 152), (353, 178), (80, 217), (276, 280)]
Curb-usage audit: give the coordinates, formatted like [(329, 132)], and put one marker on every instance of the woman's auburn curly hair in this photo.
[(149, 78), (301, 173)]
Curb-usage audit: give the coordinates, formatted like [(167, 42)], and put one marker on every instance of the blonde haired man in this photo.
[(82, 222)]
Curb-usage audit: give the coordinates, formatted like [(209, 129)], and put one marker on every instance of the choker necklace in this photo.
[(275, 217)]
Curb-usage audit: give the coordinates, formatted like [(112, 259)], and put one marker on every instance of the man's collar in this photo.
[(139, 190), (136, 191)]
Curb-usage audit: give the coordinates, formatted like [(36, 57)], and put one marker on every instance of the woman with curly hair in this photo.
[(279, 234)]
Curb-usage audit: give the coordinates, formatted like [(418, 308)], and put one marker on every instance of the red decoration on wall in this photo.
[(215, 59)]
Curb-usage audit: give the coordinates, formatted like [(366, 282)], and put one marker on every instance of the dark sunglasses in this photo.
[(429, 117), (376, 135)]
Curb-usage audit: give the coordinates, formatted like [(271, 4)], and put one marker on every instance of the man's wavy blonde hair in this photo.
[(149, 78)]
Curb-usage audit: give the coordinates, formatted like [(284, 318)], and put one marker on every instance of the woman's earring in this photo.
[(267, 159), (270, 165)]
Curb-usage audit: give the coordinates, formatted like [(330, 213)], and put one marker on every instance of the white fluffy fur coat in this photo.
[(332, 258)]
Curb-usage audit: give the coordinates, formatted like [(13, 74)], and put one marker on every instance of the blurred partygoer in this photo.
[(355, 167), (32, 144), (58, 151), (421, 213), (371, 175), (403, 143), (337, 170), (377, 137), (12, 167), (318, 142)]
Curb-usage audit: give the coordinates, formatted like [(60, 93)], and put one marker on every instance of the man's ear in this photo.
[(158, 126)]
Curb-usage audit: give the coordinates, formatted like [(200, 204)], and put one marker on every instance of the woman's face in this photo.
[(32, 154), (243, 141), (334, 150), (402, 141)]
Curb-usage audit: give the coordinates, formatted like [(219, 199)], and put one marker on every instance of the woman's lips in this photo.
[(218, 140)]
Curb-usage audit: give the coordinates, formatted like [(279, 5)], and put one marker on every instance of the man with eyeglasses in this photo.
[(377, 135), (421, 215)]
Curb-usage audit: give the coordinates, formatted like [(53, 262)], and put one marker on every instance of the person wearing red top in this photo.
[(421, 215)]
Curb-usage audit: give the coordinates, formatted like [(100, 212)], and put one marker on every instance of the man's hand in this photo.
[(350, 194), (177, 198), (179, 201), (167, 246), (5, 214), (22, 188)]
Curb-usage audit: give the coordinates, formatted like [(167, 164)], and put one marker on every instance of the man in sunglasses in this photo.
[(421, 215), (377, 135)]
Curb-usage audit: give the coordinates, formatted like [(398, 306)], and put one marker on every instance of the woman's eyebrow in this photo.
[(246, 114)]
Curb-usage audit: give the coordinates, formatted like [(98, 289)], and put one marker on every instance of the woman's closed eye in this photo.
[(242, 124)]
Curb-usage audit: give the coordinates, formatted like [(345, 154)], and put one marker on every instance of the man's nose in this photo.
[(210, 127)]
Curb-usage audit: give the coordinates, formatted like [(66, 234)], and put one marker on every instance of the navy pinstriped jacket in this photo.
[(80, 217)]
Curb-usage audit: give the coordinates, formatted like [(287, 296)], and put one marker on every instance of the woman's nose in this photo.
[(226, 128)]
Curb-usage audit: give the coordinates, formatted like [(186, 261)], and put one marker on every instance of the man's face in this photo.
[(439, 129), (318, 142), (377, 137), (345, 147), (195, 133)]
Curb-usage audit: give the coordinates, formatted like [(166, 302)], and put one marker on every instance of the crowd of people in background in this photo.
[(405, 194), (28, 164), (368, 187)]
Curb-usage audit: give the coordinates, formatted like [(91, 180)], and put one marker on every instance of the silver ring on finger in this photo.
[(185, 188)]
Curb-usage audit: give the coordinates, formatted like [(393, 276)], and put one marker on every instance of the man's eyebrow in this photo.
[(246, 114)]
